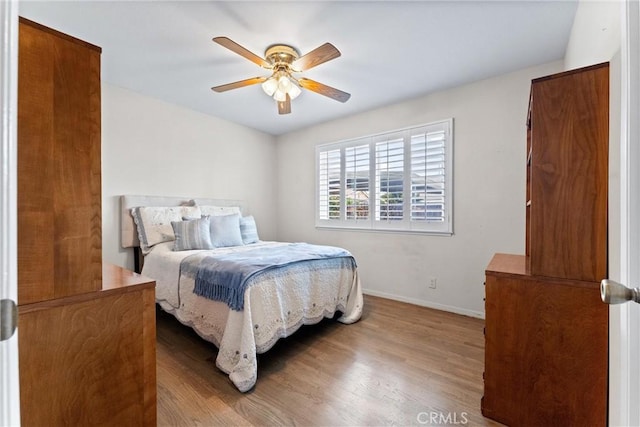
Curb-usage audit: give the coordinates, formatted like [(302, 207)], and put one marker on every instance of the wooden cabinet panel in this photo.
[(90, 359), (569, 137), (59, 184), (35, 219), (546, 347)]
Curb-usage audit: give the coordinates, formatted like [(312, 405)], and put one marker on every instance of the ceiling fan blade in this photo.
[(284, 107), (325, 90), (318, 56), (241, 83), (235, 47)]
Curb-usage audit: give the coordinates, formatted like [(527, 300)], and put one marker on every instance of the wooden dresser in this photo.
[(546, 348), (90, 359), (86, 329)]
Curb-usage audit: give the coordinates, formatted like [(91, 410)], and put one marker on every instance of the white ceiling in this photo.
[(391, 50)]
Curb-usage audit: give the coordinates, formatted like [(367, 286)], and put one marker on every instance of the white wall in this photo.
[(489, 192), (155, 148), (595, 35)]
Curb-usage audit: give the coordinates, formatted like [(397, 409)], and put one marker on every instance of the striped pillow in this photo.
[(192, 234), (248, 230)]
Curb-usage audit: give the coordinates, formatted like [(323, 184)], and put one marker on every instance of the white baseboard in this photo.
[(429, 304)]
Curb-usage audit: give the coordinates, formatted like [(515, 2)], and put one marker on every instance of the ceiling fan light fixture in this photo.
[(294, 91), (284, 83), (279, 85), (270, 85), (279, 95)]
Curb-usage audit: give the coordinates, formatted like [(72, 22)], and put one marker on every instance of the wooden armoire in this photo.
[(546, 334), (86, 328)]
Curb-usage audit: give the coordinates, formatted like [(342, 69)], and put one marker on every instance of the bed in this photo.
[(273, 300)]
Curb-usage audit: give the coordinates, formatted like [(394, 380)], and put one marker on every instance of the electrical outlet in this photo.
[(433, 283)]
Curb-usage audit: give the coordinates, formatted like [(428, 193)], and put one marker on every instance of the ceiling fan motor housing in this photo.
[(281, 56)]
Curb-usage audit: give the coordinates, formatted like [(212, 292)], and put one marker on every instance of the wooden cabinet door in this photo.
[(89, 362), (59, 183), (546, 352), (569, 176)]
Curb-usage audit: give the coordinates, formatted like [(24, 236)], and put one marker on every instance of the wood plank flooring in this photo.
[(401, 364)]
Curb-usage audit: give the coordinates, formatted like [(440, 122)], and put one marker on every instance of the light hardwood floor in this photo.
[(399, 365)]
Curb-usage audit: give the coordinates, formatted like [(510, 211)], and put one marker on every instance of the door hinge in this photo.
[(8, 318)]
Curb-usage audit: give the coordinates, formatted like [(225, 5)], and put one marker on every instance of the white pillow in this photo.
[(219, 210), (154, 223)]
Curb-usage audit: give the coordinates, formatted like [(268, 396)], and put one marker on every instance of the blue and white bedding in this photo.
[(275, 302), (226, 277)]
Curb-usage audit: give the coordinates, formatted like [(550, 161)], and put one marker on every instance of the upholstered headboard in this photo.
[(128, 232)]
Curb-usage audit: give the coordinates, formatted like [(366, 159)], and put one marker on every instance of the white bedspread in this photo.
[(275, 306)]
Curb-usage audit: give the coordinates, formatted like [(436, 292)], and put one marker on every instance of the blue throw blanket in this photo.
[(225, 277)]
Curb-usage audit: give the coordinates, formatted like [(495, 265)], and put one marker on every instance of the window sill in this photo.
[(385, 230)]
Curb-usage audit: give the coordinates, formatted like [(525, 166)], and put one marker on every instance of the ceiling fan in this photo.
[(284, 61)]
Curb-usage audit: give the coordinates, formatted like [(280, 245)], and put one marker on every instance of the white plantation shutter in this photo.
[(399, 180), (390, 179), (357, 182), (428, 176), (329, 185)]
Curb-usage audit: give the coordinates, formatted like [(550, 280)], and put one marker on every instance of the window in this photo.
[(398, 180)]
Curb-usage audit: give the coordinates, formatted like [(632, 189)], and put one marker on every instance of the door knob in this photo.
[(616, 293), (8, 318)]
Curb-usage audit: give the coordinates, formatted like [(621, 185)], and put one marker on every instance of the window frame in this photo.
[(406, 224)]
